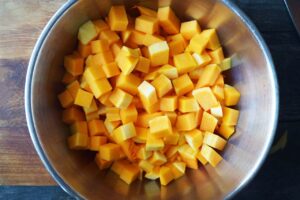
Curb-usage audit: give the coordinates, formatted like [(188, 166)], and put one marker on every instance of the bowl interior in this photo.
[(252, 75)]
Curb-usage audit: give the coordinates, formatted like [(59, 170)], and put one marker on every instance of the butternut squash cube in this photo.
[(146, 165), (110, 126), (159, 53), (72, 114), (84, 50), (136, 37), (168, 20), (226, 130), (188, 104), (93, 73), (214, 141), (109, 151), (110, 36), (84, 85), (143, 65), (99, 46), (153, 174), (117, 18), (102, 164), (171, 139), (103, 58), (129, 83), (230, 117), (113, 114), (232, 96), (209, 75), (146, 11), (210, 155), (91, 116), (147, 93), (217, 56), (183, 85), (68, 78), (172, 117), (83, 98), (151, 75), (186, 151), (171, 151), (104, 99), (96, 142), (194, 138), (165, 175), (186, 122), (120, 99), (129, 114), (178, 169), (176, 47), (144, 118), (189, 29), (208, 122), (201, 158), (217, 111), (151, 108), (168, 103), (196, 73), (146, 24), (158, 158), (190, 163), (130, 173), (116, 48), (142, 154), (184, 63), (66, 99), (160, 126), (154, 144), (100, 87), (205, 98), (119, 165), (74, 64), (220, 81), (150, 39), (111, 69), (130, 149), (78, 141), (100, 25), (213, 39), (79, 127), (162, 85), (198, 43), (226, 64), (124, 132), (141, 135), (202, 59), (218, 92), (87, 32), (169, 71), (96, 127)]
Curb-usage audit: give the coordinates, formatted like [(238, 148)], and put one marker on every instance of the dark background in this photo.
[(279, 176)]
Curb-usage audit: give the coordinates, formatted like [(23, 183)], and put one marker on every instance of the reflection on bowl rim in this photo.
[(231, 6)]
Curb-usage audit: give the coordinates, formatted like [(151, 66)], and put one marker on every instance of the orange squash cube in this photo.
[(103, 58), (110, 36), (109, 151), (104, 99), (129, 114), (168, 20), (208, 122), (214, 141), (113, 114), (93, 73), (194, 138), (78, 141), (144, 118), (165, 175), (124, 132), (150, 39), (231, 95), (111, 69), (91, 116), (218, 92), (159, 53), (184, 63), (158, 158), (196, 73), (171, 139), (146, 24), (110, 126), (84, 50), (198, 43), (210, 155), (143, 65), (72, 114), (68, 78), (217, 56), (141, 135), (162, 85), (99, 46), (100, 87), (130, 173), (66, 99), (189, 29), (154, 144), (178, 169), (96, 141), (160, 126), (226, 130), (176, 47), (129, 83), (201, 158), (186, 122), (119, 165), (83, 98), (209, 75), (230, 116), (96, 127), (120, 99), (202, 59), (183, 85), (205, 98), (136, 37), (188, 104), (74, 64), (79, 127), (102, 164), (100, 25), (117, 18), (212, 37), (172, 117), (168, 103)]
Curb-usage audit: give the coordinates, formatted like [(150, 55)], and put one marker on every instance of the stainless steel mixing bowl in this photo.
[(253, 75)]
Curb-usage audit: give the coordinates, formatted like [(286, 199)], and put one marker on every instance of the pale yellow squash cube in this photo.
[(150, 39), (120, 99), (196, 74), (146, 24), (160, 126), (210, 155), (79, 127), (230, 116), (124, 132), (110, 126), (178, 169), (151, 108), (100, 87), (212, 37), (78, 141), (87, 32), (186, 122), (93, 73), (217, 111), (194, 138), (189, 29), (218, 92), (83, 98), (208, 122), (157, 158), (147, 93), (209, 75), (187, 152), (109, 151), (159, 53), (168, 20), (188, 104), (113, 114), (201, 159), (154, 144), (172, 139), (214, 141), (129, 114), (226, 64), (183, 85), (126, 63), (217, 56), (168, 103), (169, 71), (184, 63), (202, 59), (232, 95), (96, 127), (153, 174), (205, 98), (117, 18), (162, 85), (146, 166)]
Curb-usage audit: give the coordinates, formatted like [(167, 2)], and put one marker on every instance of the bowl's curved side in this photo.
[(27, 99), (274, 118)]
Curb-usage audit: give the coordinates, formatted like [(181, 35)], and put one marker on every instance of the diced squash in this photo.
[(201, 158), (186, 122), (208, 122), (143, 65), (103, 58), (172, 117), (168, 20), (99, 46), (230, 117), (93, 73), (196, 74), (102, 164), (143, 154), (66, 99), (104, 99), (146, 165), (136, 37), (172, 138), (130, 173), (151, 108), (201, 59), (168, 103), (117, 18), (184, 63), (146, 11), (189, 29), (218, 92), (130, 149), (100, 25), (129, 83), (226, 130), (79, 127), (141, 135), (109, 151), (154, 144), (205, 98), (87, 32), (78, 141), (178, 169), (214, 141), (213, 39), (124, 132), (110, 36), (144, 118), (162, 85), (217, 111), (84, 50), (113, 114), (188, 104), (186, 151), (158, 158), (129, 114), (120, 99), (183, 85), (119, 165), (210, 155), (100, 87), (125, 62), (74, 64), (116, 48), (150, 39), (153, 174), (169, 71), (72, 114), (176, 47), (91, 116), (83, 98), (217, 56), (146, 24), (226, 64), (159, 53), (111, 69), (198, 43), (160, 126), (147, 93), (232, 96), (194, 138), (209, 75), (165, 175), (110, 126), (96, 127), (96, 142)]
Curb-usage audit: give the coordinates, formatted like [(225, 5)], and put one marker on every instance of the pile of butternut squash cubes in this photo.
[(147, 94)]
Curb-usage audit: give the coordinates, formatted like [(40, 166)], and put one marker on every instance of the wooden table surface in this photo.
[(20, 25)]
